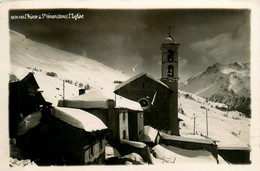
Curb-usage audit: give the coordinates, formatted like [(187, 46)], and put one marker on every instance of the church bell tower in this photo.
[(169, 49)]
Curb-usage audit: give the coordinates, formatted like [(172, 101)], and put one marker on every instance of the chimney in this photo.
[(82, 91)]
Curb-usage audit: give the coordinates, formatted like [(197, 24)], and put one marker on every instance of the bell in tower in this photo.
[(169, 49)]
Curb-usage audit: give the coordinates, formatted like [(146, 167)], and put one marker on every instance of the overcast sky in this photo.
[(123, 38)]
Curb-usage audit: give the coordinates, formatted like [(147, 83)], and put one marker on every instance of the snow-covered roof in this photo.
[(245, 147), (171, 154), (79, 119), (98, 99), (136, 144), (185, 139), (138, 76), (169, 40), (29, 122), (91, 99), (18, 75), (150, 134), (111, 151), (122, 102)]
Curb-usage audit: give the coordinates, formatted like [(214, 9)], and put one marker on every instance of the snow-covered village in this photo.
[(69, 108)]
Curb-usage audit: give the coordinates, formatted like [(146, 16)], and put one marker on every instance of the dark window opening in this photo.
[(124, 117), (140, 132), (143, 85), (100, 144), (170, 56), (170, 71), (124, 134), (91, 150)]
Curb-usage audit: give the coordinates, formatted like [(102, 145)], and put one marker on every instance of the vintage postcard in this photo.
[(119, 84)]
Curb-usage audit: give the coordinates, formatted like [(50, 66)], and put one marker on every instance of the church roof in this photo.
[(170, 40), (138, 76)]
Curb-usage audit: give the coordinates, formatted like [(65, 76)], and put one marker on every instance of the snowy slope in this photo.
[(230, 129), (27, 53), (229, 84)]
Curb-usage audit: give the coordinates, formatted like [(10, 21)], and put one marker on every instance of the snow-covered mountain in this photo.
[(229, 84), (27, 55)]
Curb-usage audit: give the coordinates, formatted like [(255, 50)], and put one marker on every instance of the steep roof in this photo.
[(23, 77), (79, 119), (30, 77), (136, 77)]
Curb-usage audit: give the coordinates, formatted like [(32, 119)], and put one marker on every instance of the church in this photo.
[(158, 98)]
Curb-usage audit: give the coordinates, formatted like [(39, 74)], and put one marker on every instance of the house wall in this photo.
[(140, 125), (98, 156), (235, 156), (73, 144), (123, 124), (136, 125)]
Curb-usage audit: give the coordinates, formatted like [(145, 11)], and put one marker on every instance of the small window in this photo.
[(140, 132), (91, 151), (124, 134), (100, 145), (143, 85), (124, 117)]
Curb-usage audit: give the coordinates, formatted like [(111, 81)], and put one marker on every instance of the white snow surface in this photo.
[(186, 139), (136, 144), (150, 134), (29, 122), (229, 129), (172, 154), (111, 152), (96, 98), (91, 99), (79, 119), (122, 102)]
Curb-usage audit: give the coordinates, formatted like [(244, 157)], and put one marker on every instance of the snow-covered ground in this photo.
[(230, 128)]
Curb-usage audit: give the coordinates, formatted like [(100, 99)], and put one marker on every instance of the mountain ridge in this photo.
[(228, 84)]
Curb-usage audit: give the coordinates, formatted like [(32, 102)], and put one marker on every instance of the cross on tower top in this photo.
[(169, 30)]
